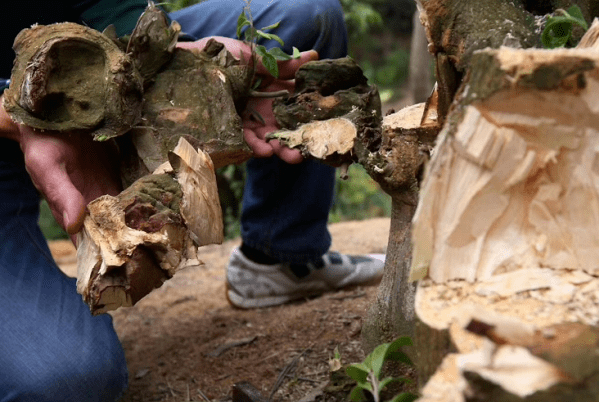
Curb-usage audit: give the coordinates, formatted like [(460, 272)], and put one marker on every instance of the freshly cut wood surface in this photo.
[(506, 233)]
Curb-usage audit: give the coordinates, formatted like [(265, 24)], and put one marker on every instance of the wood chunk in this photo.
[(132, 243), (69, 77)]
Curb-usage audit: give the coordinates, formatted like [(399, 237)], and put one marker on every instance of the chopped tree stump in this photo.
[(506, 234)]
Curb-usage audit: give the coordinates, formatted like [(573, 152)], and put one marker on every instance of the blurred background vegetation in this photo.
[(379, 33)]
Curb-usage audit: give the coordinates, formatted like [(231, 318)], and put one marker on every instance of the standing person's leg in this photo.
[(285, 207), (51, 347)]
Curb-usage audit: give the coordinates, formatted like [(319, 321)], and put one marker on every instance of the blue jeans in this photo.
[(51, 347), (285, 207)]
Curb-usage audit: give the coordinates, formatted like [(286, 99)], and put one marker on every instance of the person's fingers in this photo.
[(70, 171), (291, 156), (259, 147)]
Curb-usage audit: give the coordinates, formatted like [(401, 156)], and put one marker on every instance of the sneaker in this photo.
[(253, 285)]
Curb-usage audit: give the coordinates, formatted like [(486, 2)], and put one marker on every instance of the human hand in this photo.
[(255, 131), (70, 170)]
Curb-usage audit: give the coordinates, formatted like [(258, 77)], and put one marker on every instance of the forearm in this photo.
[(8, 128)]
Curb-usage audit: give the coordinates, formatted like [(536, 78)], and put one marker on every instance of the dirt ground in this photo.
[(184, 342)]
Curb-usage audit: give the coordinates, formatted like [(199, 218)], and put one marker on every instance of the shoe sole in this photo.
[(238, 301)]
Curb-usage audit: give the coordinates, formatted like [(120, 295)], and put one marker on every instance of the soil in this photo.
[(184, 342)]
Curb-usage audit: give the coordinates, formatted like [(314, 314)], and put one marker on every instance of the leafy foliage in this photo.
[(367, 374), (359, 197), (558, 29), (269, 57), (360, 16)]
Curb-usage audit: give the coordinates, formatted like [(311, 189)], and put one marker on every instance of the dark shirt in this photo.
[(97, 14)]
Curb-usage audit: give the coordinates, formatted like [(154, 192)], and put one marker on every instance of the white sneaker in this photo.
[(253, 285)]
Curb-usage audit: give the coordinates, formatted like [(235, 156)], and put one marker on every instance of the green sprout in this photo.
[(558, 28), (251, 35), (367, 374)]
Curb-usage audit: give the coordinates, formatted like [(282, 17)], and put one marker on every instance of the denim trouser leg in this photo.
[(51, 347), (285, 207)]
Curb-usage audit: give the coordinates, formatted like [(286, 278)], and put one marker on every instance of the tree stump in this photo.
[(506, 234)]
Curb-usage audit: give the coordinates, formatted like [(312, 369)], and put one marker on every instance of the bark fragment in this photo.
[(335, 94)]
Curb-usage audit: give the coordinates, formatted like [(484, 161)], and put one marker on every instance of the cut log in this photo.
[(506, 234), (132, 243)]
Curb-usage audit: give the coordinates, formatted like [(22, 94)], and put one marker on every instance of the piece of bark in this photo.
[(506, 233), (458, 28), (72, 78), (333, 115), (196, 96), (152, 41), (132, 243)]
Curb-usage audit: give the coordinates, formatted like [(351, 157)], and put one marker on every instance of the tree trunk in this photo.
[(420, 80), (506, 234)]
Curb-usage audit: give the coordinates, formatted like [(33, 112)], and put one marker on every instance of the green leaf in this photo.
[(268, 60), (268, 36), (384, 382), (557, 32), (242, 21), (394, 353), (257, 82), (273, 26), (279, 54), (336, 353), (404, 397), (357, 393), (377, 358), (296, 53), (576, 14), (358, 372), (400, 342), (558, 29), (250, 34)]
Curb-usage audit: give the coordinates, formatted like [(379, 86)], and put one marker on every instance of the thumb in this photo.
[(65, 201)]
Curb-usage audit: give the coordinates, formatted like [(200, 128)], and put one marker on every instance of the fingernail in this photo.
[(313, 55)]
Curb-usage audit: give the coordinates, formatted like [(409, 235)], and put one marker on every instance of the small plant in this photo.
[(558, 28), (251, 35), (367, 374)]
